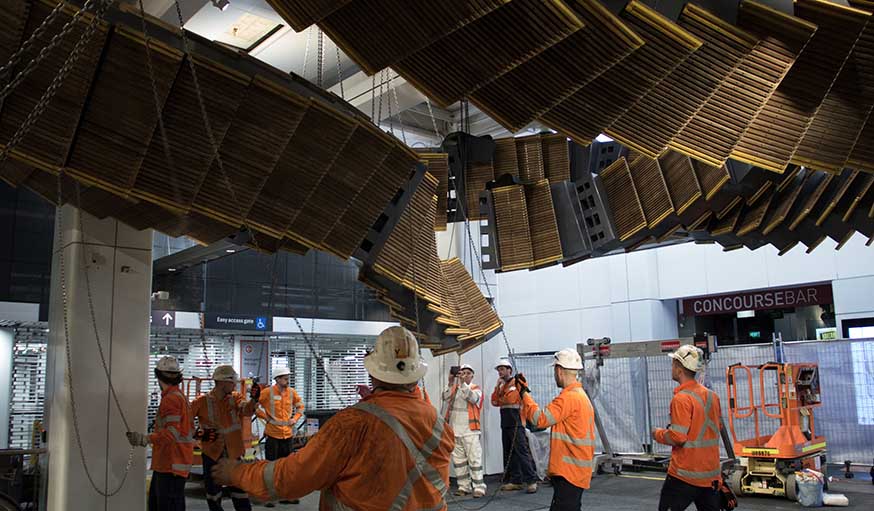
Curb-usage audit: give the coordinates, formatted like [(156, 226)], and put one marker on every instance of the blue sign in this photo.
[(237, 322), (260, 323)]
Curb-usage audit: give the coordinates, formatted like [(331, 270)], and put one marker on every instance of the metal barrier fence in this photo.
[(635, 393)]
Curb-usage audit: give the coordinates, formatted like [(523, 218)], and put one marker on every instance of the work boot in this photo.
[(270, 504), (478, 493), (461, 493), (295, 501), (511, 487), (531, 488)]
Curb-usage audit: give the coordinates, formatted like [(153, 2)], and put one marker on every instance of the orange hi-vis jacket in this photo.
[(173, 438), (506, 397), (365, 458), (572, 443), (281, 410), (225, 416), (694, 435), (473, 407)]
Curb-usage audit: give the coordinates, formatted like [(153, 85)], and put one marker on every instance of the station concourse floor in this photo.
[(623, 493)]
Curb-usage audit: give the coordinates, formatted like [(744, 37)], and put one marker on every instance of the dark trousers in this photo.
[(517, 457), (214, 490), (167, 492), (276, 448), (677, 495), (565, 496)]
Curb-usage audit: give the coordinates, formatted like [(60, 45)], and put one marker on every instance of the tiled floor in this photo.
[(625, 493)]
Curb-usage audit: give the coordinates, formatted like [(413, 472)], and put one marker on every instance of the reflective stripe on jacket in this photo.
[(173, 437), (693, 435), (506, 397), (225, 416), (281, 410), (389, 452), (474, 406), (572, 443)]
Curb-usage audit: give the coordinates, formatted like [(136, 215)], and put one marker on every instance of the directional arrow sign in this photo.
[(164, 319)]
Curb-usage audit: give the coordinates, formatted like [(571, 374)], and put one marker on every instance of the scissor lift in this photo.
[(768, 462)]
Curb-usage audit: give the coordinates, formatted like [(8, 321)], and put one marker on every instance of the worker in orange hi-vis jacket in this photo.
[(695, 472), (389, 451), (223, 410), (520, 472), (172, 441), (572, 420), (281, 407)]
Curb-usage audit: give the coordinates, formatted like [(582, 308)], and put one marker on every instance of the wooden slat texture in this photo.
[(120, 116), (809, 202), (628, 215), (711, 178), (438, 166), (753, 216), (506, 161), (777, 131), (350, 228), (300, 14), (680, 179), (265, 122), (47, 144), (188, 141), (492, 45), (646, 174), (529, 155), (590, 110), (515, 249), (362, 155), (719, 125), (545, 241), (829, 141), (521, 95), (319, 138), (783, 203), (556, 158), (661, 114), (377, 33)]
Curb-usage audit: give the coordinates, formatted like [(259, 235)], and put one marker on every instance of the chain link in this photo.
[(58, 80), (320, 58), (433, 120), (44, 52), (25, 47), (394, 93), (340, 73)]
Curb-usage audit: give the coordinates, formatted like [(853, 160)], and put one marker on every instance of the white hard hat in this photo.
[(568, 358), (168, 364), (225, 373), (689, 356), (503, 362), (395, 357), (466, 366), (282, 371)]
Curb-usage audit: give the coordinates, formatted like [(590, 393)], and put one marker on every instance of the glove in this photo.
[(137, 439), (206, 435), (522, 384), (255, 392), (727, 498)]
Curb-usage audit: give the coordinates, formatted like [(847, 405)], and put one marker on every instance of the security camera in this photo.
[(161, 295)]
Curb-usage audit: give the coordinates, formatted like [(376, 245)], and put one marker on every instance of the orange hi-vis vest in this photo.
[(572, 443), (281, 410), (388, 452), (225, 416), (173, 438), (473, 409), (693, 435)]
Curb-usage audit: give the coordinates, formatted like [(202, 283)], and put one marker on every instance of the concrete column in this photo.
[(119, 265), (7, 341)]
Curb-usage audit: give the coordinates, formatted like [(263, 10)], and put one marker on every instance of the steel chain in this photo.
[(58, 80), (340, 73), (394, 93), (25, 46), (44, 52)]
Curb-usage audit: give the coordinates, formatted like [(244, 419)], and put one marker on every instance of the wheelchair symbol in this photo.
[(260, 323)]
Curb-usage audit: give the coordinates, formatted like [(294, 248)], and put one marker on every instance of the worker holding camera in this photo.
[(463, 401)]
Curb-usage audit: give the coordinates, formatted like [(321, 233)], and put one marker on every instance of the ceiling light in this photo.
[(230, 250), (171, 269), (221, 4), (603, 138)]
